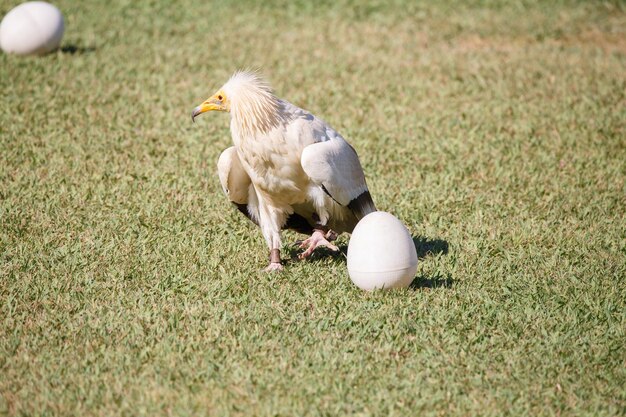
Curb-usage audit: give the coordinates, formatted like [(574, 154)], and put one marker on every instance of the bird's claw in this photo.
[(330, 236), (317, 239)]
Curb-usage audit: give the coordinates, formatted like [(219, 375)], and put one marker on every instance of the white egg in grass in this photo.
[(381, 253), (32, 28)]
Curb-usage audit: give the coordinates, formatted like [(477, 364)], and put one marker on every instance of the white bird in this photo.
[(287, 169)]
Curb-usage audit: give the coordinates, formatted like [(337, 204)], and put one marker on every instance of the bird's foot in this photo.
[(275, 264), (318, 238), (274, 267)]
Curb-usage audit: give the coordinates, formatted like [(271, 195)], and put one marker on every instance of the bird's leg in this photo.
[(269, 220), (275, 264), (322, 236)]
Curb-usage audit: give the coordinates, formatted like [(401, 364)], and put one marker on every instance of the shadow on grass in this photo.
[(77, 50), (425, 246), (431, 282), (339, 256)]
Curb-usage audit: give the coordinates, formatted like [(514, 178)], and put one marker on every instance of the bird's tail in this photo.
[(362, 205)]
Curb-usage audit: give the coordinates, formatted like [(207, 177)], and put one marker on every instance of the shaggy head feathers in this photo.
[(253, 105)]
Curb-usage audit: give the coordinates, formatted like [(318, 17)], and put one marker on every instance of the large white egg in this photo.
[(32, 28), (381, 253)]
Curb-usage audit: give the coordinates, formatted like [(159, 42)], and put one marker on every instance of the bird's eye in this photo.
[(220, 98)]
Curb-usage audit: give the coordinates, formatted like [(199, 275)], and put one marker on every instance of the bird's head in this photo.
[(250, 101), (218, 101)]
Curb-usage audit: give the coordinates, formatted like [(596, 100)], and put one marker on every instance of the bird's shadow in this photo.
[(424, 247), (321, 253), (72, 49)]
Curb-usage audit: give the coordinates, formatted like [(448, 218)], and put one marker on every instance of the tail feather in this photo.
[(362, 205)]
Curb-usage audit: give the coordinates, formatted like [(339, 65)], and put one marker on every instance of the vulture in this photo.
[(287, 169)]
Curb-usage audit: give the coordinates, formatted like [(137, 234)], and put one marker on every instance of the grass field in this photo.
[(495, 130)]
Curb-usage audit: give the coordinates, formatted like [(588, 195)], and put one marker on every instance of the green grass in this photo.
[(496, 131)]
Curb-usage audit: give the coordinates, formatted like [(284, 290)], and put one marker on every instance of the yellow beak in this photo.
[(208, 105)]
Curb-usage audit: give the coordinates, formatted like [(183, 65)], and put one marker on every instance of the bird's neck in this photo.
[(255, 116)]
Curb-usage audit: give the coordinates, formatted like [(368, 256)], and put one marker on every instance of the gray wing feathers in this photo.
[(334, 166)]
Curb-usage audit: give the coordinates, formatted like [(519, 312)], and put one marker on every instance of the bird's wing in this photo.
[(333, 165), (236, 183), (234, 179)]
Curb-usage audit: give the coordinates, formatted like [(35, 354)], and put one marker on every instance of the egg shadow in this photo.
[(72, 49), (439, 281), (425, 246)]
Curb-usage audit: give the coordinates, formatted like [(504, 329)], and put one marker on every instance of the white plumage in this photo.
[(287, 168)]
